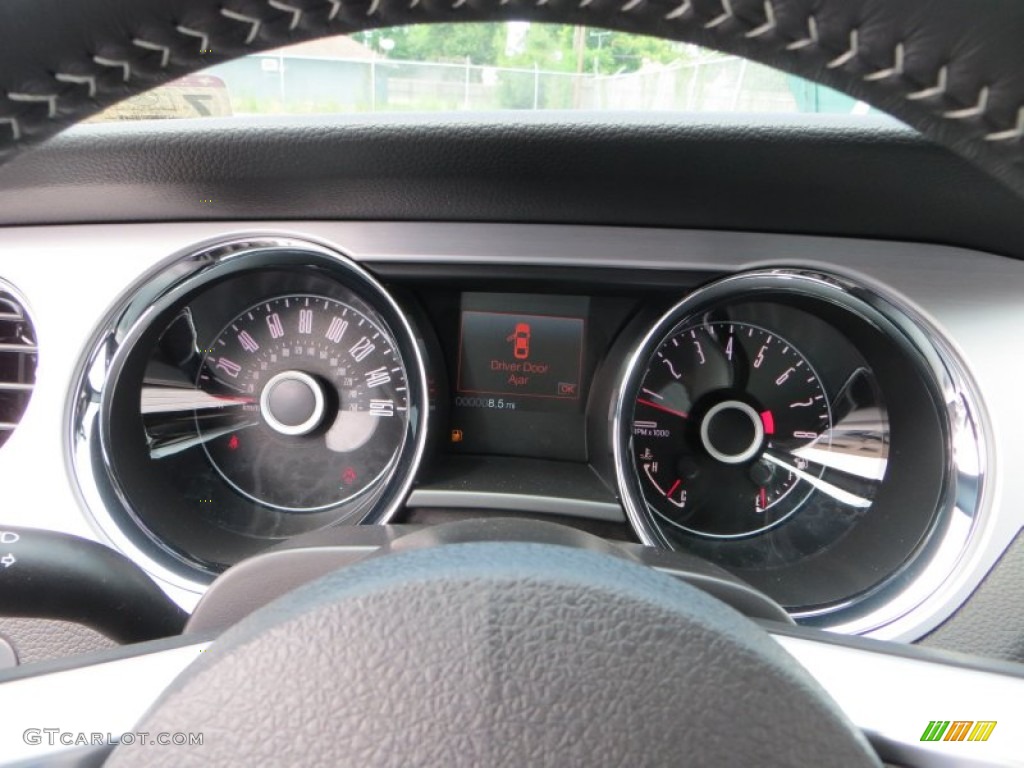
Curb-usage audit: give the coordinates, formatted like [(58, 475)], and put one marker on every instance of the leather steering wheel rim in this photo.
[(953, 70)]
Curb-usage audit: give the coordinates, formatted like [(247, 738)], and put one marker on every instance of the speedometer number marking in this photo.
[(229, 367), (249, 344), (361, 349), (275, 326), (377, 377), (382, 408), (336, 329)]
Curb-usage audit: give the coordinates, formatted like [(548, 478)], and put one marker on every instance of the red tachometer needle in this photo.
[(680, 414)]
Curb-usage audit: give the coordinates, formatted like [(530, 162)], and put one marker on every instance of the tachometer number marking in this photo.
[(700, 353), (759, 360), (672, 369), (785, 376)]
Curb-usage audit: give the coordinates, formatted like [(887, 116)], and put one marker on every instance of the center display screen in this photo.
[(521, 355), (521, 364)]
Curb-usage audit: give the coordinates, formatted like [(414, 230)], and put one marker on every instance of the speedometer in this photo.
[(724, 412), (313, 402), (252, 390)]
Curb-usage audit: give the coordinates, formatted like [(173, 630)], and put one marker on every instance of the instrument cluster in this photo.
[(792, 427)]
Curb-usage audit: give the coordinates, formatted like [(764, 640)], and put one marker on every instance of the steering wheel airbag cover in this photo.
[(498, 654)]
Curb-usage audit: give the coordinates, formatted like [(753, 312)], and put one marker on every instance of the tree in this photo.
[(481, 43), (545, 46), (549, 47), (614, 52)]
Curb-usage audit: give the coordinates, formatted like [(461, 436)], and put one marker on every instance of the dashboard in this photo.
[(244, 356), (816, 416)]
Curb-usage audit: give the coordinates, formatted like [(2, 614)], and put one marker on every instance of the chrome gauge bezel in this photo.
[(963, 496), (176, 280)]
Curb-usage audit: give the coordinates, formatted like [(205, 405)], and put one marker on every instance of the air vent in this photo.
[(18, 356)]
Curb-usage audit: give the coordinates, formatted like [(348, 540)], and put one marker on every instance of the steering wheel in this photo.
[(523, 652)]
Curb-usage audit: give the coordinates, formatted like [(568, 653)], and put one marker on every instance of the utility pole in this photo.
[(599, 36)]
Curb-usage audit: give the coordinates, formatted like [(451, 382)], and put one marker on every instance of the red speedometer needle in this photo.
[(680, 414)]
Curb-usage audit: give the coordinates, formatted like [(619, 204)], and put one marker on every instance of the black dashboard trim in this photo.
[(862, 176)]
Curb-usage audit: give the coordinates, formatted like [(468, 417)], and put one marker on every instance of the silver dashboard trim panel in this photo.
[(105, 698), (893, 698), (973, 299)]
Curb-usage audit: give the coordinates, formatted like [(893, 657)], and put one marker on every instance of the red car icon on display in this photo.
[(520, 339)]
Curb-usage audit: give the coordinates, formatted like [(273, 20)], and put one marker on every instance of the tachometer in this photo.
[(313, 400), (793, 428), (721, 418)]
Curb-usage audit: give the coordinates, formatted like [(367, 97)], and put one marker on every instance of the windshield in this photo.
[(484, 68)]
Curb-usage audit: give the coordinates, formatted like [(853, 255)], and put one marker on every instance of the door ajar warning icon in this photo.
[(958, 730), (520, 339)]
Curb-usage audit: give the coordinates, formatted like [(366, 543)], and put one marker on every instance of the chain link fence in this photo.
[(289, 84)]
